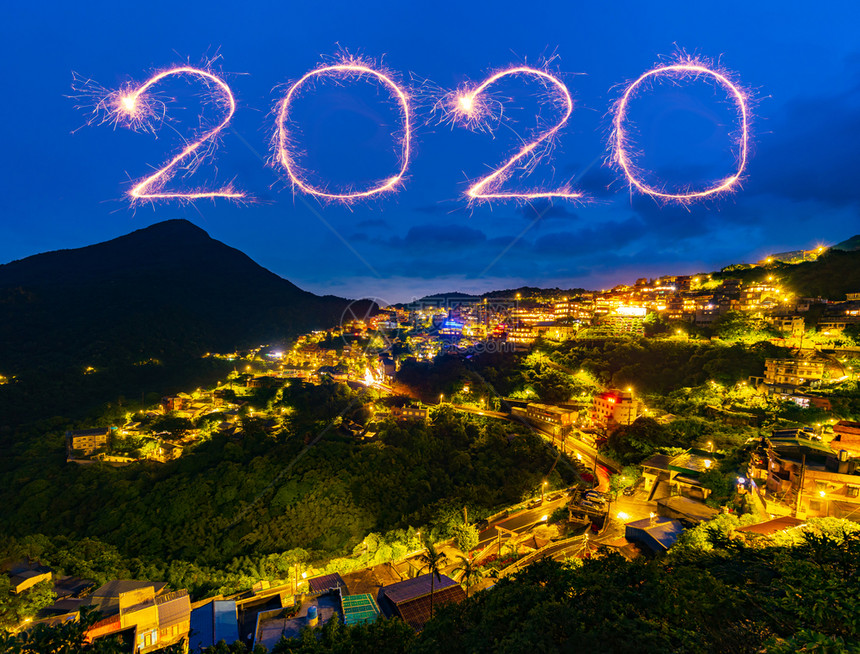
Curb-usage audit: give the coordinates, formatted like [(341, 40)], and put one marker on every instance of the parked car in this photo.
[(594, 495), (589, 504), (629, 491)]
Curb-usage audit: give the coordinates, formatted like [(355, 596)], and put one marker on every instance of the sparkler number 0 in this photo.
[(467, 107)]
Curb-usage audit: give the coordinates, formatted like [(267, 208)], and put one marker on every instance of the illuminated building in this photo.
[(557, 419), (839, 316), (626, 320), (666, 476), (521, 335), (793, 372), (806, 478), (409, 413), (87, 441), (614, 407)]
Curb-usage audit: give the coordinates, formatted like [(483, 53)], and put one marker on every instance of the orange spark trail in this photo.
[(285, 148), (469, 108), (689, 67), (131, 106)]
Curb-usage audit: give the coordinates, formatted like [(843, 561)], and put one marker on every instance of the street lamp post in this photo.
[(542, 487)]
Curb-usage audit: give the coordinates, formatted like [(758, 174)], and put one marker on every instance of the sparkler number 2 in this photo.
[(133, 107), (470, 108)]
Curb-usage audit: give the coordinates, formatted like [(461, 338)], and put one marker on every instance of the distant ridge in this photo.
[(849, 245)]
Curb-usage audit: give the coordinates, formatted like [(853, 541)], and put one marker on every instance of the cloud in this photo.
[(372, 222), (812, 151), (546, 210), (433, 237), (608, 237)]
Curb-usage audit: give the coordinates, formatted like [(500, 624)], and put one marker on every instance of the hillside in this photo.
[(168, 293), (832, 275)]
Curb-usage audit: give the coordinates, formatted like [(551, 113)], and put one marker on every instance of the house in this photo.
[(143, 611), (23, 576), (614, 407), (656, 534), (409, 413), (806, 478), (667, 475), (846, 436), (86, 442), (410, 599), (558, 420), (793, 372)]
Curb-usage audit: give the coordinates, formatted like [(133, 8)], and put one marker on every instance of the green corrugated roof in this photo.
[(359, 608)]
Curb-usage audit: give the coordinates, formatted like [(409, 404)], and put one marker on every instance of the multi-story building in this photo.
[(626, 320), (614, 407), (839, 316), (793, 372), (154, 618), (789, 324), (806, 478), (86, 442), (409, 413), (521, 335), (558, 420)]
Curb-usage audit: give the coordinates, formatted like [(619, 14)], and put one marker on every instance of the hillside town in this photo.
[(787, 476)]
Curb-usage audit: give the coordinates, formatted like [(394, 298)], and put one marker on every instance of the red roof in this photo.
[(326, 582), (769, 527), (416, 612), (410, 589), (845, 427)]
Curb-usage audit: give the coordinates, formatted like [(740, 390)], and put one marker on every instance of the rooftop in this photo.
[(416, 612), (411, 589), (658, 534), (326, 582), (769, 527)]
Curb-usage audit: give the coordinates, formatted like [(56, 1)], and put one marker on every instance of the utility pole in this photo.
[(465, 515), (800, 489)]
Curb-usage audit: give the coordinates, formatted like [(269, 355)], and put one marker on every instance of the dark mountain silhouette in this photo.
[(167, 292), (850, 244)]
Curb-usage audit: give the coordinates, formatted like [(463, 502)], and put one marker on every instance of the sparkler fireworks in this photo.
[(138, 108), (285, 147), (471, 108), (132, 106), (475, 107), (687, 68)]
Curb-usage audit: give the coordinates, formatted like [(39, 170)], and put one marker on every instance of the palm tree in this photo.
[(432, 562), (471, 573)]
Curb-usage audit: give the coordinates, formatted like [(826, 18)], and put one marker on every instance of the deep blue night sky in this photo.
[(63, 186)]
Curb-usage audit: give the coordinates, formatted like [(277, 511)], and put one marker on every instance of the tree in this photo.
[(466, 536), (432, 561), (471, 574), (628, 476)]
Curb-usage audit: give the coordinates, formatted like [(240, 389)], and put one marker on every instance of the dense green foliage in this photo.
[(729, 599), (216, 515)]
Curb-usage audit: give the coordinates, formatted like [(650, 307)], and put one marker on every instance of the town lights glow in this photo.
[(686, 68), (135, 108), (472, 108), (285, 146)]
